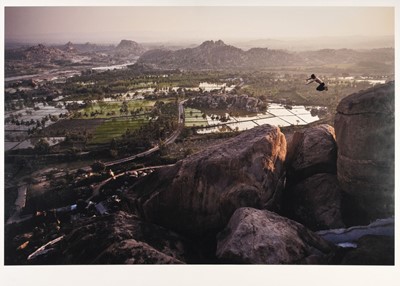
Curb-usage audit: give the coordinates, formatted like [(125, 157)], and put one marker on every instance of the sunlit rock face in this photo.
[(364, 126), (199, 194), (311, 152)]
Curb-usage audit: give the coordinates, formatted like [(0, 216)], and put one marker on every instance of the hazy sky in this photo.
[(151, 24)]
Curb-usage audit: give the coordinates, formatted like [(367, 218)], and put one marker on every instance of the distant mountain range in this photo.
[(218, 55), (85, 48), (208, 55)]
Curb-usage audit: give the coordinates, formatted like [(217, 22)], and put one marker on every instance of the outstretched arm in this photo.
[(310, 80)]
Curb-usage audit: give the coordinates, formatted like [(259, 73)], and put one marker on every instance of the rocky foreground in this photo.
[(258, 199)]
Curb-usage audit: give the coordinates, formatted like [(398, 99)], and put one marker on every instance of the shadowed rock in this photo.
[(312, 194), (122, 239), (316, 202), (364, 126), (199, 194), (263, 237), (371, 250)]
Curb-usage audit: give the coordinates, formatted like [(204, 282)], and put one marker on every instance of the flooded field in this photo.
[(102, 120), (276, 114), (18, 123)]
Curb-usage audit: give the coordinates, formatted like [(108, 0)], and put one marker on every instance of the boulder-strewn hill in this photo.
[(85, 48), (39, 53), (216, 54), (129, 48), (44, 53)]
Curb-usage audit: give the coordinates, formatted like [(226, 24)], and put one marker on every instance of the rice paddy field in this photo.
[(276, 114), (108, 121), (193, 118), (116, 127)]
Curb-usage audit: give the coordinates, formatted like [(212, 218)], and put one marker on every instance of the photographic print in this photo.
[(201, 135)]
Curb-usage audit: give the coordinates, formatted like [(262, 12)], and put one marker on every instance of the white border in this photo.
[(197, 274)]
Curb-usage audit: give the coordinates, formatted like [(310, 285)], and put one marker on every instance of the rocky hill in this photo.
[(44, 53), (216, 54), (39, 53), (85, 48), (258, 198), (129, 48)]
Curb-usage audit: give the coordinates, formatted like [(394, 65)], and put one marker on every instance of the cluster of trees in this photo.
[(98, 85), (165, 121), (12, 119)]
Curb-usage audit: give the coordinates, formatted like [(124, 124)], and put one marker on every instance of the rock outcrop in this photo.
[(122, 239), (263, 237), (199, 194), (312, 195), (371, 250), (129, 48), (311, 152), (364, 126)]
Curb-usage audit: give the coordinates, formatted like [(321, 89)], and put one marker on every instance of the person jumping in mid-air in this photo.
[(321, 86)]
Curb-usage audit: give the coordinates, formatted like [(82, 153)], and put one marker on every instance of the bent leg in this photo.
[(321, 87)]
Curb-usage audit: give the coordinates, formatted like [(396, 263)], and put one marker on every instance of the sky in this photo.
[(161, 23)]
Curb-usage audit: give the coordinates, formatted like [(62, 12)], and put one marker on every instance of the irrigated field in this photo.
[(193, 118), (116, 127), (114, 109)]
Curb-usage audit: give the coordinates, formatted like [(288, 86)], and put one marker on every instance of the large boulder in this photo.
[(199, 194), (312, 195), (263, 237), (310, 152), (316, 202), (364, 126)]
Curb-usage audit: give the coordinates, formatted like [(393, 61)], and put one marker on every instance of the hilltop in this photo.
[(129, 48), (215, 55)]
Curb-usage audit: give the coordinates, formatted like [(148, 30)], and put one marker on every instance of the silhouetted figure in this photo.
[(321, 86)]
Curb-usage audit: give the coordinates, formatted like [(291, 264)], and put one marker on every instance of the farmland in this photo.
[(103, 116)]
